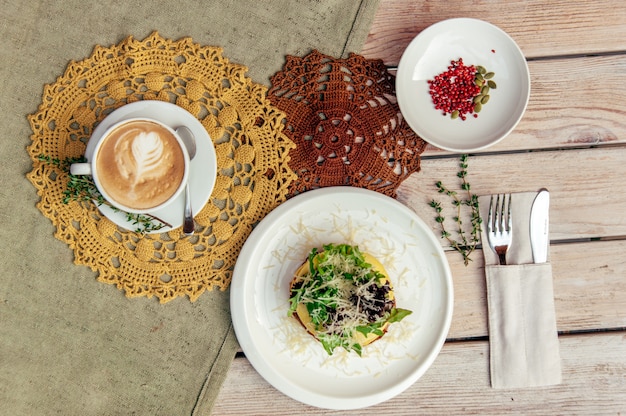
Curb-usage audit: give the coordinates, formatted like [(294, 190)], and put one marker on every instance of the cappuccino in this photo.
[(140, 164)]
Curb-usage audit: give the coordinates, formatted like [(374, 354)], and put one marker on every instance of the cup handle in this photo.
[(80, 169)]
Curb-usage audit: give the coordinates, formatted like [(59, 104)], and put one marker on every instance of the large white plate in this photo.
[(285, 354), (478, 43), (202, 172)]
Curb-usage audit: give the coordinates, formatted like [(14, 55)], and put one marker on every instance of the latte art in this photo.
[(140, 164), (139, 156)]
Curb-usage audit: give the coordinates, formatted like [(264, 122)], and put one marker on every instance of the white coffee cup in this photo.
[(139, 165)]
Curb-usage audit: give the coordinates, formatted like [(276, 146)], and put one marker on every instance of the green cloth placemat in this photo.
[(68, 344)]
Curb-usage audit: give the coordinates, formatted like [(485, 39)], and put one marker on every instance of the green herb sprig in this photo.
[(466, 241), (82, 189)]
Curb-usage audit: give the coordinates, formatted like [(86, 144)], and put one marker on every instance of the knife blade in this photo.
[(539, 226)]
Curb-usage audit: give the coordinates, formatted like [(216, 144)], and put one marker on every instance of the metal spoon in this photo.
[(190, 143)]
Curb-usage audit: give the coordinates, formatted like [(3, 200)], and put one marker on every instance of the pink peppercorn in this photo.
[(455, 89)]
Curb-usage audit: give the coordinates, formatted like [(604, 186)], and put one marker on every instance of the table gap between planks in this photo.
[(571, 140)]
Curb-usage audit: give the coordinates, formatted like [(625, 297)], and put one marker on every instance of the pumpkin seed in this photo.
[(455, 114), (478, 99), (479, 77), (484, 90), (492, 84), (485, 99), (489, 75), (477, 107), (481, 69), (479, 82)]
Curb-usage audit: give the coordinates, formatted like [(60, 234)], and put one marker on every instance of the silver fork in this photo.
[(499, 225)]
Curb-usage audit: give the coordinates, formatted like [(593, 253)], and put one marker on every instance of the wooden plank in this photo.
[(589, 289), (540, 28), (589, 284), (458, 383), (586, 185), (569, 107)]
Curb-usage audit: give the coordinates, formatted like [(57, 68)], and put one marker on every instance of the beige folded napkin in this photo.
[(523, 338)]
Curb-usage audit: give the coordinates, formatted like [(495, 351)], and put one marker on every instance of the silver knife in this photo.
[(539, 226)]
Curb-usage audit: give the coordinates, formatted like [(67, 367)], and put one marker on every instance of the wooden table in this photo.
[(572, 140)]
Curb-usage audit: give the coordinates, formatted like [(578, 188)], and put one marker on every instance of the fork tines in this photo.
[(502, 213), (499, 225)]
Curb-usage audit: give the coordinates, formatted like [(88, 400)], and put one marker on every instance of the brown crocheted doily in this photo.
[(343, 116), (252, 155)]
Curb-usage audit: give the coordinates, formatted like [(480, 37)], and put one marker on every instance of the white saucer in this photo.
[(202, 173)]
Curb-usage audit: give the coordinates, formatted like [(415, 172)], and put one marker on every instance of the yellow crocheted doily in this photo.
[(252, 155)]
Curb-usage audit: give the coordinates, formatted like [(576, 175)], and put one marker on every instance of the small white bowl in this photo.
[(478, 43)]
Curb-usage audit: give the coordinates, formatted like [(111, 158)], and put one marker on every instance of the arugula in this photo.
[(395, 315)]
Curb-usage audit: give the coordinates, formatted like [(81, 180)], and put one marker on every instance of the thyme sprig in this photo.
[(466, 241), (81, 188)]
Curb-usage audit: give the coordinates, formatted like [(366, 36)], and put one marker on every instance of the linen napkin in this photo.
[(523, 338)]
